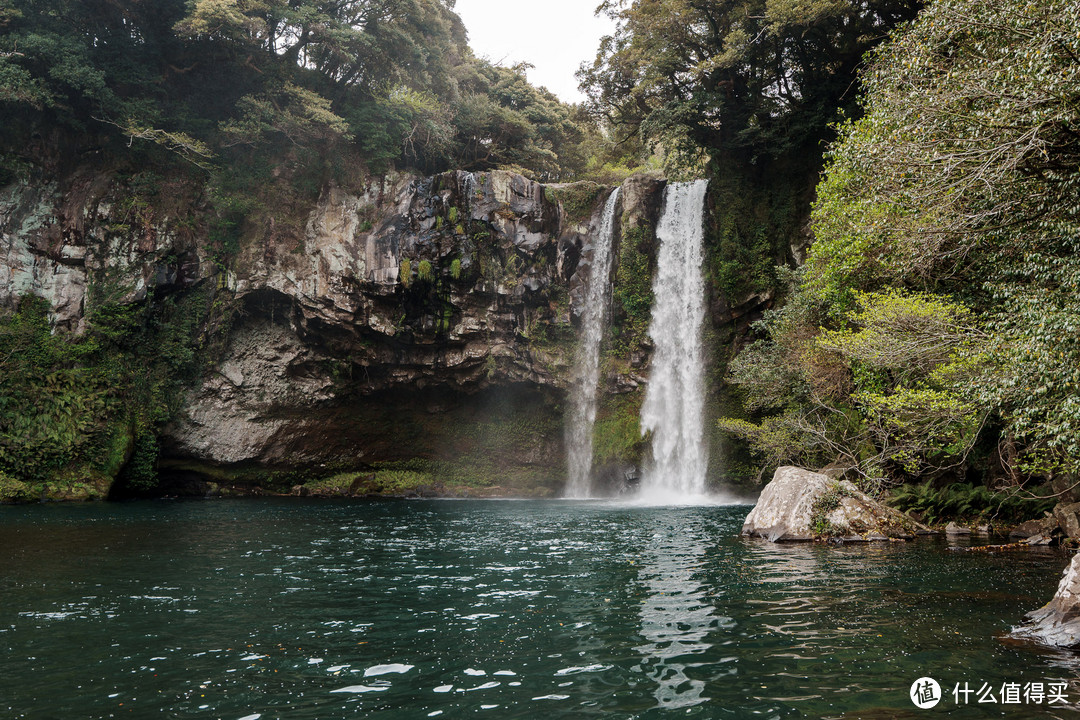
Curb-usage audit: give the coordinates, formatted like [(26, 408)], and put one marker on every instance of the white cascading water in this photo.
[(674, 406), (586, 374)]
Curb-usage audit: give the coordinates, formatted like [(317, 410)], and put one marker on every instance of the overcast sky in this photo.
[(556, 36)]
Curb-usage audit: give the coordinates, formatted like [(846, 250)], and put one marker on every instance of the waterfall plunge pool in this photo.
[(513, 609)]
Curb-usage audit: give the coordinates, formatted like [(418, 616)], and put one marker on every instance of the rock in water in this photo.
[(1058, 622), (800, 504)]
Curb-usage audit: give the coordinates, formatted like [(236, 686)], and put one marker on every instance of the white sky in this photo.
[(554, 35)]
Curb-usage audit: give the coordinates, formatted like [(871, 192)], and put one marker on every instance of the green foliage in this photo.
[(958, 183), (139, 475), (617, 431), (962, 177), (424, 271), (578, 199), (970, 503), (76, 401), (501, 121), (754, 216), (308, 88), (287, 112), (50, 407), (890, 386), (455, 268), (405, 272), (14, 491)]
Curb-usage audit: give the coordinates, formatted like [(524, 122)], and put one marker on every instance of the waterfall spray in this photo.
[(674, 405), (586, 373)]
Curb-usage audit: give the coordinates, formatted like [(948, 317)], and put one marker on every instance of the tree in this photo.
[(890, 389), (502, 120), (746, 76)]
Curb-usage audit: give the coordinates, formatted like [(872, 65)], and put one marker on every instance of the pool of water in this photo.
[(505, 609)]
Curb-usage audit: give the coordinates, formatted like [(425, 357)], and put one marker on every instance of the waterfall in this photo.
[(674, 404), (586, 373)]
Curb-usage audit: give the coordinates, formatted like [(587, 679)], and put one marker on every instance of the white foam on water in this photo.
[(387, 669), (362, 689), (583, 669)]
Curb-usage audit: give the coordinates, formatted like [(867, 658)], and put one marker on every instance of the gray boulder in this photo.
[(1068, 517), (803, 505), (1058, 622)]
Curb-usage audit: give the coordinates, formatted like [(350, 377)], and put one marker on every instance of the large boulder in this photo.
[(800, 504), (1058, 622), (1068, 517)]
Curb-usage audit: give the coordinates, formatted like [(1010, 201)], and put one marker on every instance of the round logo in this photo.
[(925, 693)]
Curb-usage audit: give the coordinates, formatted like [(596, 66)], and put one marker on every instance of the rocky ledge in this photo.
[(801, 505), (1058, 622)]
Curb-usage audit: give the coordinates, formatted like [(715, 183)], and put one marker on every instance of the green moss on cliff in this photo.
[(617, 432), (578, 199), (752, 222), (632, 294)]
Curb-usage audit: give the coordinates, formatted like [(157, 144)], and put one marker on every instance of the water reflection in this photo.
[(676, 617), (323, 610)]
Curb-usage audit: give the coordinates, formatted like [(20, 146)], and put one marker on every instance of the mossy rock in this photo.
[(578, 199)]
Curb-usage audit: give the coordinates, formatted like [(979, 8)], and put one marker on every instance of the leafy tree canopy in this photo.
[(961, 181), (392, 81), (750, 76)]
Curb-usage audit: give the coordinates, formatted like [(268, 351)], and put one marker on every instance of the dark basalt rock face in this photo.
[(413, 317), (413, 299)]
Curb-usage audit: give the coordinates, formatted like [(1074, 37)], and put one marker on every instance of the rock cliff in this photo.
[(411, 318), (401, 332), (386, 333)]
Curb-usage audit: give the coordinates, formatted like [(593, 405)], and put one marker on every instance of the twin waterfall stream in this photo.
[(673, 410), (586, 372)]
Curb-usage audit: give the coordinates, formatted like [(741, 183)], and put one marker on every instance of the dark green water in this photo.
[(297, 609)]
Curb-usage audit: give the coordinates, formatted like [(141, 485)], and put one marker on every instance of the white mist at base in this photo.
[(586, 374), (674, 406)]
